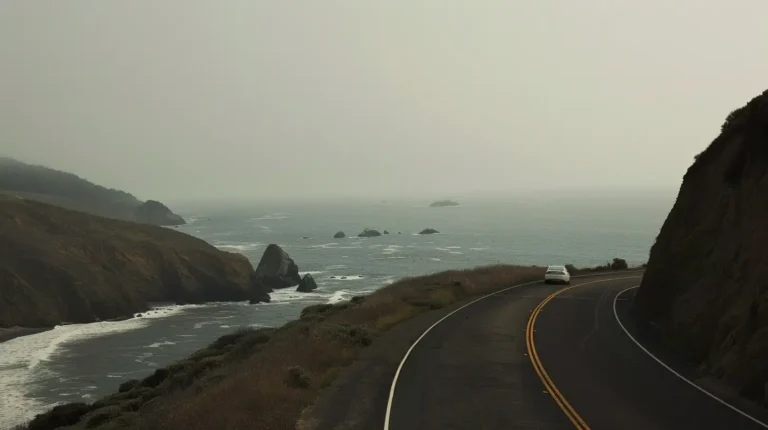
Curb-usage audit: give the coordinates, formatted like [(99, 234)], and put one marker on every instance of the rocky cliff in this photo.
[(70, 191), (58, 265), (154, 212), (705, 285)]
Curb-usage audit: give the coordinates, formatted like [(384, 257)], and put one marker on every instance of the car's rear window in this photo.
[(555, 272)]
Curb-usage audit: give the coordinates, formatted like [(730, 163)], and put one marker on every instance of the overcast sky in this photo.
[(256, 99)]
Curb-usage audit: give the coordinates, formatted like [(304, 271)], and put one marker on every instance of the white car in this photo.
[(557, 275)]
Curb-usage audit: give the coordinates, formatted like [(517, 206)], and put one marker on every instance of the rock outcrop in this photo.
[(369, 232), (339, 235), (154, 212), (443, 203), (429, 231), (277, 269), (386, 232), (705, 283), (307, 284), (59, 265)]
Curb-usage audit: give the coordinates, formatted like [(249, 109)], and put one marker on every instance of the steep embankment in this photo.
[(706, 279), (58, 265), (70, 191)]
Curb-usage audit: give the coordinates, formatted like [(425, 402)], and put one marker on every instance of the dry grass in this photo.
[(269, 389)]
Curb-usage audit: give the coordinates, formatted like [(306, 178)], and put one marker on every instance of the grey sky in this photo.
[(254, 99)]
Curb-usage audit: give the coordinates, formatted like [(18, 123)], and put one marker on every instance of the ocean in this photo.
[(86, 361)]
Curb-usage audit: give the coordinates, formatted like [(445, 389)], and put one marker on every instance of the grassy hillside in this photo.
[(72, 192), (58, 265)]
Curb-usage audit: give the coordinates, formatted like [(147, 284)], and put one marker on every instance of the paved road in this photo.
[(531, 359)]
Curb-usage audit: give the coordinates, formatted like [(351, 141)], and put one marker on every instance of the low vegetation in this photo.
[(616, 264), (264, 379)]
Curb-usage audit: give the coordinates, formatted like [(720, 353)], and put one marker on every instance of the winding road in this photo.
[(549, 357)]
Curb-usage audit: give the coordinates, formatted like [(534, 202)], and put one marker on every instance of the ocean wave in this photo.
[(336, 267), (159, 344), (435, 259), (478, 249), (207, 322), (239, 246), (347, 277), (275, 217), (324, 246), (311, 272), (288, 295)]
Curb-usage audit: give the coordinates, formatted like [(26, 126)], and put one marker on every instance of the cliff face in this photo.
[(58, 265), (707, 279)]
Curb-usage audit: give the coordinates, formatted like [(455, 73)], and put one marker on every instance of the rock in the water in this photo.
[(305, 237), (443, 203), (154, 212), (339, 235), (369, 232), (386, 232), (277, 269), (307, 284), (429, 231)]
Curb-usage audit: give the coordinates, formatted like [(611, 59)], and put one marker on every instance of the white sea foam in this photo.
[(435, 259), (339, 296), (25, 358), (336, 267), (477, 249)]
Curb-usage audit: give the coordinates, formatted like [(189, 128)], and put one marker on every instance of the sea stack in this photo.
[(277, 269)]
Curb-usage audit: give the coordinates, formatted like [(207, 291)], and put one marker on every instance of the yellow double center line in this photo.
[(534, 356)]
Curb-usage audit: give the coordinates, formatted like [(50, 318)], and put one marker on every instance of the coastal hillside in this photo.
[(72, 192), (58, 265), (705, 285)]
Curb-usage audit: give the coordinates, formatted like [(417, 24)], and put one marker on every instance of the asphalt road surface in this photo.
[(548, 357)]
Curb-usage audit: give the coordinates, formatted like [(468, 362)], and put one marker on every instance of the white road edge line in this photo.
[(407, 353), (688, 381)]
